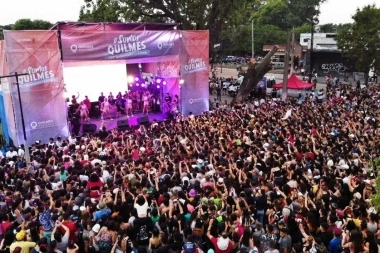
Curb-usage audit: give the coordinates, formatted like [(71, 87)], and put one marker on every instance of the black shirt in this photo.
[(101, 99), (142, 226)]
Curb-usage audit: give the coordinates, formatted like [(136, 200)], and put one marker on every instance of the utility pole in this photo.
[(253, 40), (286, 68), (16, 75), (292, 51)]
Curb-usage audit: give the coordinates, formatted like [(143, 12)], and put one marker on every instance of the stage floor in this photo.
[(132, 120)]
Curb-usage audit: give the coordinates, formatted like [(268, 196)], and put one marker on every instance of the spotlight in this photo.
[(158, 80), (130, 79), (158, 86), (164, 82), (181, 81), (136, 79)]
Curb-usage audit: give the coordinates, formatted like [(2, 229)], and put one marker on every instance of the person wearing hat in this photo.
[(22, 242), (335, 245), (103, 211)]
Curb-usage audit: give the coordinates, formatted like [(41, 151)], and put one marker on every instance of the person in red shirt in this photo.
[(222, 244), (72, 227), (5, 224)]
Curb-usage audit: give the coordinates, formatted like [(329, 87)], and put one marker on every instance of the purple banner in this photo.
[(116, 45)]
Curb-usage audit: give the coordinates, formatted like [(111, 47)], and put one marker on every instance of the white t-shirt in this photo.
[(21, 152), (142, 210), (10, 154)]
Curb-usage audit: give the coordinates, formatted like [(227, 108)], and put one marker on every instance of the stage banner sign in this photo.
[(117, 45), (194, 60), (4, 98), (36, 54)]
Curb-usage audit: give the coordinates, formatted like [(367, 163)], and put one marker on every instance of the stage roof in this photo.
[(114, 26)]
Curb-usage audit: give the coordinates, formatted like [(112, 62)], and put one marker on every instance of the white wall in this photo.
[(91, 78)]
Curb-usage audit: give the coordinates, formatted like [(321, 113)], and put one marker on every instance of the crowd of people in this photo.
[(283, 177)]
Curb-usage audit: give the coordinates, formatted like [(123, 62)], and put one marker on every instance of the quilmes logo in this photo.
[(195, 100), (127, 46), (195, 65), (41, 124), (165, 45), (41, 74), (80, 48)]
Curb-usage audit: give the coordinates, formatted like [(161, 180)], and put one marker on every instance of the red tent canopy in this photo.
[(295, 83)]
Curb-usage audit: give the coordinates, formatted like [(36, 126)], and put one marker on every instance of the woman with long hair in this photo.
[(145, 99)]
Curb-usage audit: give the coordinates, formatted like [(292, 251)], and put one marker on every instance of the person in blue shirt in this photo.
[(103, 211), (335, 245)]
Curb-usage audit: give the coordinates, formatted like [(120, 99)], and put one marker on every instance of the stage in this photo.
[(132, 121)]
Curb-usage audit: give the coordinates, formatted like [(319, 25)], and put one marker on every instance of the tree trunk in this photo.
[(255, 73)]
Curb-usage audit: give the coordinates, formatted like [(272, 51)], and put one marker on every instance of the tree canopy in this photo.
[(227, 20), (361, 41), (26, 24)]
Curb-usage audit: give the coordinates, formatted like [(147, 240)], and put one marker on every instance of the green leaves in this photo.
[(361, 41), (26, 24)]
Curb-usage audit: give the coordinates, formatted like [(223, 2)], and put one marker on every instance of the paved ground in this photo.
[(231, 72)]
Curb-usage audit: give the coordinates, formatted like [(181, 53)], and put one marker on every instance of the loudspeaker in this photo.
[(122, 124), (143, 120), (89, 128)]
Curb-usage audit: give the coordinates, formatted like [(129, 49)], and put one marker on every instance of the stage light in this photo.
[(137, 84), (130, 79), (181, 81), (158, 80), (136, 79), (158, 86), (143, 85), (164, 82)]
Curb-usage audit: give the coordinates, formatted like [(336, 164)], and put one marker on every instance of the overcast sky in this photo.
[(333, 11)]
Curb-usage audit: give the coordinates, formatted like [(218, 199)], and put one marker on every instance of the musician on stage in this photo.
[(82, 111), (101, 98), (145, 99), (106, 108), (111, 99), (129, 105), (87, 102), (168, 102), (120, 104)]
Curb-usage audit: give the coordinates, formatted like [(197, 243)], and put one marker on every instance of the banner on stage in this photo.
[(117, 45), (36, 55), (194, 62)]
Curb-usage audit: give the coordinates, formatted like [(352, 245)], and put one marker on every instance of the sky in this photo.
[(332, 11)]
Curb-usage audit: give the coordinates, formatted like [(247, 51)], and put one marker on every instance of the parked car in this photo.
[(240, 60), (229, 58)]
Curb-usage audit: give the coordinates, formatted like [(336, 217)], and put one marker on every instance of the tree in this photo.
[(361, 41), (2, 28), (195, 14), (287, 13), (100, 11), (28, 24)]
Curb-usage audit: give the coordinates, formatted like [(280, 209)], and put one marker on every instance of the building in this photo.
[(278, 58), (323, 41)]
